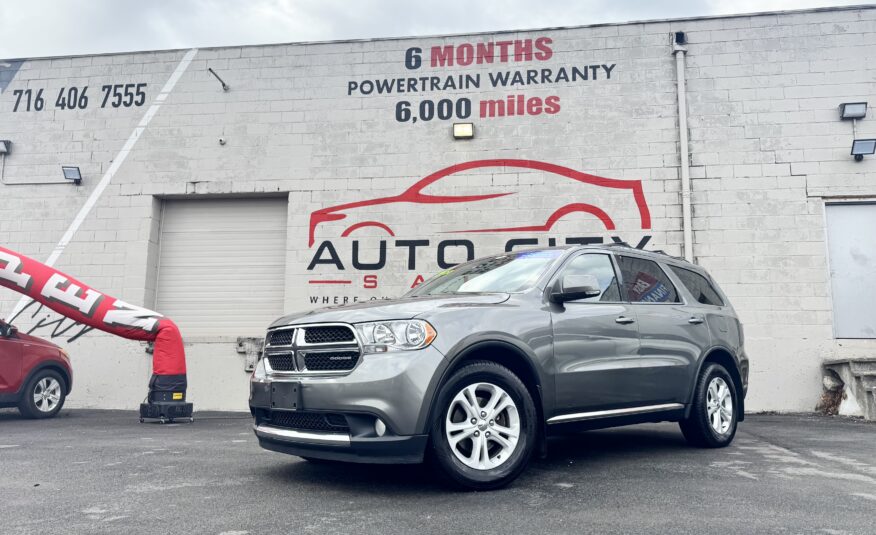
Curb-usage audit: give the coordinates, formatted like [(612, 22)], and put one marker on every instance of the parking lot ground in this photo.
[(103, 472)]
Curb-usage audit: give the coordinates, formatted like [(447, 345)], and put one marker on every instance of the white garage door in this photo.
[(221, 266)]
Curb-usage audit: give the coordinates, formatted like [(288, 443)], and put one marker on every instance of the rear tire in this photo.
[(43, 396), (714, 412), (484, 428)]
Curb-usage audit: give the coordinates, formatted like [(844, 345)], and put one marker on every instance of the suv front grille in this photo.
[(331, 360), (327, 335), (282, 362), (310, 421), (325, 348), (281, 338)]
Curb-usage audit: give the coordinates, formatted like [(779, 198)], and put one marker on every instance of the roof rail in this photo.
[(657, 251), (664, 253)]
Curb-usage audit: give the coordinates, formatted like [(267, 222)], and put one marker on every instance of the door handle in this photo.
[(695, 320), (623, 320)]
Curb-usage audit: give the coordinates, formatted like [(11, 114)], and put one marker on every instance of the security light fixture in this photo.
[(463, 130), (72, 174), (4, 146), (853, 110), (862, 147)]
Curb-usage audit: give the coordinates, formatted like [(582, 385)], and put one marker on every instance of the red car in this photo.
[(35, 375)]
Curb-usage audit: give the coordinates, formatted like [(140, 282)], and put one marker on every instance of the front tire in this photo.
[(43, 396), (484, 428), (714, 414)]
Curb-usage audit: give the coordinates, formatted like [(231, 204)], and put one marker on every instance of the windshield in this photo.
[(508, 273)]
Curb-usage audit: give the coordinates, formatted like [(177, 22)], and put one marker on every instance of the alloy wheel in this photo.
[(719, 405), (482, 426), (47, 394)]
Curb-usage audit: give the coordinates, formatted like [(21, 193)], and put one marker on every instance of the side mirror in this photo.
[(6, 330), (573, 287)]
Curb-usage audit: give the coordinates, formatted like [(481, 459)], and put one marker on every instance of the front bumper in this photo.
[(395, 387), (342, 447)]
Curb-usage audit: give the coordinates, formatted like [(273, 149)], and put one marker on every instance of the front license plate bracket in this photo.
[(286, 396)]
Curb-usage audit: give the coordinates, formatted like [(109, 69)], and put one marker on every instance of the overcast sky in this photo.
[(33, 28)]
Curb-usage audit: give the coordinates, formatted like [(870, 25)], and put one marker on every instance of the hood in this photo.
[(390, 309), (34, 340)]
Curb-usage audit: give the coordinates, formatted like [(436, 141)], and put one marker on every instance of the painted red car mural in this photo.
[(417, 195)]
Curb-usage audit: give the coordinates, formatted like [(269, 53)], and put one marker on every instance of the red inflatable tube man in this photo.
[(73, 299)]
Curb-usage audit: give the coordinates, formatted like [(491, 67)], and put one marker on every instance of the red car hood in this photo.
[(34, 340)]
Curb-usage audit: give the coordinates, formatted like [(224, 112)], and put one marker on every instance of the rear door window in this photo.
[(698, 286), (645, 282)]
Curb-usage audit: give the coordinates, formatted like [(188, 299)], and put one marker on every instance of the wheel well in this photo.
[(510, 358), (55, 368), (724, 358)]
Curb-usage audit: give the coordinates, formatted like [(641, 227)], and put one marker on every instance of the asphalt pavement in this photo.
[(103, 472)]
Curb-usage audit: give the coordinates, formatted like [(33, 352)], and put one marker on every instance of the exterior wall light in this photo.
[(862, 147), (72, 174), (853, 110), (4, 146), (463, 130)]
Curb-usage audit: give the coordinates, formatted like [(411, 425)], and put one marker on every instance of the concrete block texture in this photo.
[(363, 131)]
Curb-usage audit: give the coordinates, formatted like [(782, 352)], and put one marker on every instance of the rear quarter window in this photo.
[(699, 287)]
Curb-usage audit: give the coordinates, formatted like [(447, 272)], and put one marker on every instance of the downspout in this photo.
[(684, 151)]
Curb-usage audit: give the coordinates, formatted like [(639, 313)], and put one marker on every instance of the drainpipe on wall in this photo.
[(684, 151)]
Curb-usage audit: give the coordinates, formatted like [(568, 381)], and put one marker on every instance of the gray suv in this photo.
[(474, 368)]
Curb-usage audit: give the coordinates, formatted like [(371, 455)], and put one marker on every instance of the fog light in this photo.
[(379, 427)]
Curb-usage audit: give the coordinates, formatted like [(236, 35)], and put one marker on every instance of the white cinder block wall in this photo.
[(766, 150)]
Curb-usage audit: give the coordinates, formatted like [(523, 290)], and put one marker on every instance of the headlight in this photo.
[(404, 335), (259, 373)]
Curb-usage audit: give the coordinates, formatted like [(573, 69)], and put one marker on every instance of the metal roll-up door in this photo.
[(222, 264)]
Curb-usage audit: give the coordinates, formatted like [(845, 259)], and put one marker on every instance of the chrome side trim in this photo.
[(581, 416), (290, 435)]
